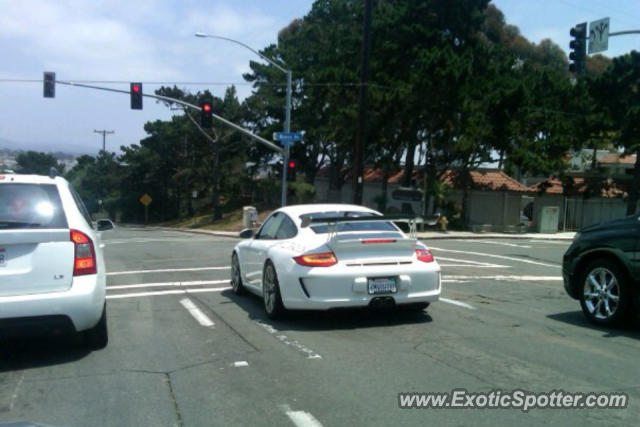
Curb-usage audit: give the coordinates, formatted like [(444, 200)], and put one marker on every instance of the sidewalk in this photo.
[(428, 235)]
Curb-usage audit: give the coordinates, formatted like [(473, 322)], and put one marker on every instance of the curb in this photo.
[(228, 234)]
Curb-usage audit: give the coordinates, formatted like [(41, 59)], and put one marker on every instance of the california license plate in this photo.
[(382, 285)]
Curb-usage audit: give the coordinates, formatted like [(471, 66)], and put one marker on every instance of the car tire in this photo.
[(605, 296), (271, 296), (236, 276), (97, 337), (414, 307)]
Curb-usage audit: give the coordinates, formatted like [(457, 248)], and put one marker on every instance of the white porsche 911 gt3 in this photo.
[(323, 256)]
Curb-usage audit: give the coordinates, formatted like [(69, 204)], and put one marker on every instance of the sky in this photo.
[(153, 41)]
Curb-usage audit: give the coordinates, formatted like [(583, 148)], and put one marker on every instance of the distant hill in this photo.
[(62, 149)]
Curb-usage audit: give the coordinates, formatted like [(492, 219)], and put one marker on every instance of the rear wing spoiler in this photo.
[(412, 221)]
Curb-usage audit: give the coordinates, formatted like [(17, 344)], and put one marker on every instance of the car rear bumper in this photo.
[(82, 304), (324, 289)]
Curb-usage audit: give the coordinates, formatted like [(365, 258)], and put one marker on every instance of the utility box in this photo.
[(549, 218), (249, 217)]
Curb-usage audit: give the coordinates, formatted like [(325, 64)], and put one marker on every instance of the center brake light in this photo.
[(321, 259), (424, 255), (85, 255), (378, 241)]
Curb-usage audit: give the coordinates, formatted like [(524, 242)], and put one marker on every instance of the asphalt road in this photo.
[(186, 351)]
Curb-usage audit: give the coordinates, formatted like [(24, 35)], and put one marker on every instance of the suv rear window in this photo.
[(30, 206), (348, 226)]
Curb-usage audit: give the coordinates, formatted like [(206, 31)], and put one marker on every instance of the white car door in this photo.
[(255, 252)]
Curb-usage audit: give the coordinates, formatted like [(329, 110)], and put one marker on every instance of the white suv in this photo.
[(52, 273)]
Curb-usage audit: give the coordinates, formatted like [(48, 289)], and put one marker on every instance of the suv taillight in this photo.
[(424, 255), (85, 255)]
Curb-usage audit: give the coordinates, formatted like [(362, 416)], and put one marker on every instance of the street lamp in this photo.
[(287, 111)]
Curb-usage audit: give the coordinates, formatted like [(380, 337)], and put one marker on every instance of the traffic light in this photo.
[(136, 96), (49, 90), (206, 115), (578, 46), (291, 170)]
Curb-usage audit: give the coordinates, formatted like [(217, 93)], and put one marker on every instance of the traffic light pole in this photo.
[(285, 153), (246, 132)]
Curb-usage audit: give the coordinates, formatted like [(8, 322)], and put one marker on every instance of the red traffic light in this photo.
[(135, 88), (292, 164), (206, 107)]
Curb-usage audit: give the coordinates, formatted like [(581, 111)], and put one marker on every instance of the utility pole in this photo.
[(104, 137), (361, 131)]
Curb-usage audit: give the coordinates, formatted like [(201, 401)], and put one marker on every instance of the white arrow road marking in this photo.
[(300, 418), (169, 292), (165, 270), (165, 284), (196, 312), (458, 303)]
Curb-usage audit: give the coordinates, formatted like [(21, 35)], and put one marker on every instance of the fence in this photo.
[(579, 213)]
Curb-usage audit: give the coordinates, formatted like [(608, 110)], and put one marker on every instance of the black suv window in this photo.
[(30, 206)]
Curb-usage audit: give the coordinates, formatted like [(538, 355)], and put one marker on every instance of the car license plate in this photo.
[(382, 285)]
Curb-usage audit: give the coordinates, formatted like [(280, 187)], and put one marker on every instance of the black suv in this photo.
[(601, 268)]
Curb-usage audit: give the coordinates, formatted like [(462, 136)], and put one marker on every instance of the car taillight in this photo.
[(85, 255), (321, 259), (424, 255)]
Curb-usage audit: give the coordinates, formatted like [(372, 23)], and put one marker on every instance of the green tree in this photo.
[(34, 162), (617, 95)]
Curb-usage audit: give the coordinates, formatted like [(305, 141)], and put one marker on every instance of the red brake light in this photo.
[(322, 259), (424, 255), (85, 255), (379, 241)]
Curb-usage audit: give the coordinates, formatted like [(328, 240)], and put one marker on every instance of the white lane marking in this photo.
[(552, 242), (197, 314), (509, 278), (491, 242), (169, 292), (526, 261), (458, 303), (471, 263), (290, 342), (164, 284), (454, 281), (165, 270), (14, 396), (300, 418), (473, 266), (240, 364), (143, 240)]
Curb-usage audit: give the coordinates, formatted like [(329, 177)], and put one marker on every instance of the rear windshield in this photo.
[(30, 206), (348, 226)]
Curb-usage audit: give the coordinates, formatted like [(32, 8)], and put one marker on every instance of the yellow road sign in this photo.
[(146, 199)]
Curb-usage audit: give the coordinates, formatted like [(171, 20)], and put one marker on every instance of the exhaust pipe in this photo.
[(382, 302)]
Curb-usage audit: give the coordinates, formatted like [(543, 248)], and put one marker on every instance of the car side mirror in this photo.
[(104, 225), (247, 233)]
